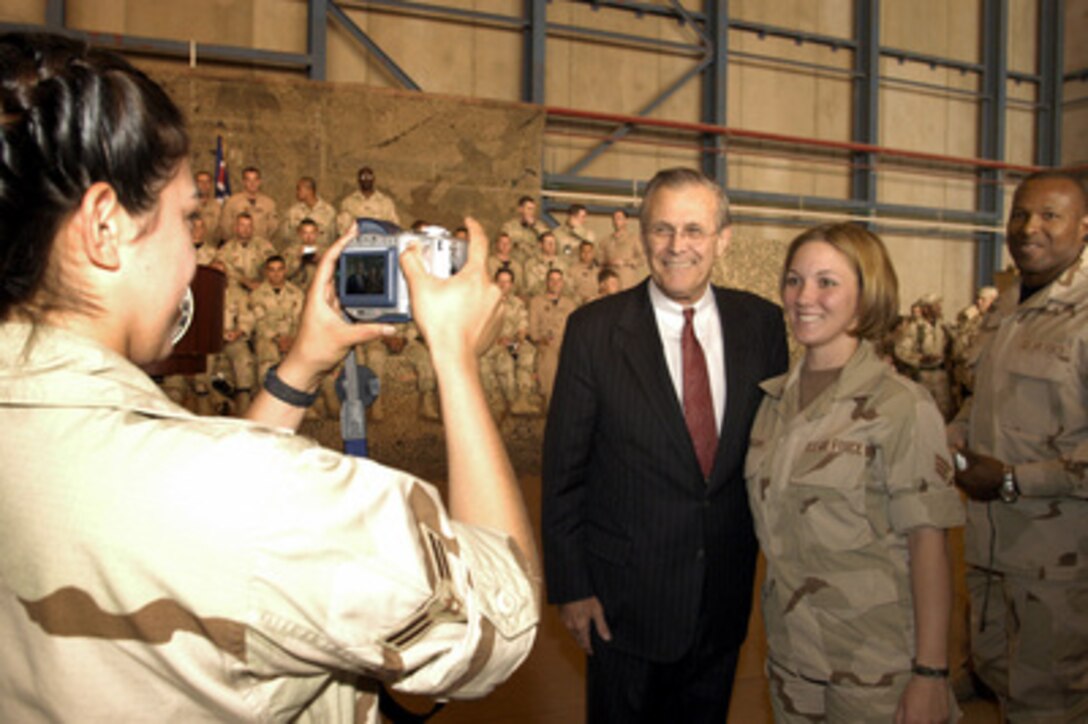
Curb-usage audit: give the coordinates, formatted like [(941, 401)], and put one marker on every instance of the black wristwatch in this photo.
[(1009, 491)]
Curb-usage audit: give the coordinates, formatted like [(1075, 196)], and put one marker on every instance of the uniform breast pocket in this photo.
[(1033, 401), (827, 493)]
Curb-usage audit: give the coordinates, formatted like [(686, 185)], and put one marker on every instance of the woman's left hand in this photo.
[(924, 701)]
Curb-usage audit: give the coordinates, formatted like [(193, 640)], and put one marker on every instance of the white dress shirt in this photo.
[(708, 330)]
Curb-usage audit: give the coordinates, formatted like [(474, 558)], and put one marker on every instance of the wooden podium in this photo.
[(205, 335)]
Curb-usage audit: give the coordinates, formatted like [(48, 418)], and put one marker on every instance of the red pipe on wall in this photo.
[(795, 140)]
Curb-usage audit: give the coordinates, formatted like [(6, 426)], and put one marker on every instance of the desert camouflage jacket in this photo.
[(1030, 410), (834, 491), (158, 566)]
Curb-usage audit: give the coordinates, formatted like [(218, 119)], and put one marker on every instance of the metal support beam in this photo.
[(632, 191), (995, 36), (866, 95), (356, 32), (699, 69), (646, 110), (1051, 47), (316, 37), (159, 47), (54, 14), (536, 38), (716, 90)]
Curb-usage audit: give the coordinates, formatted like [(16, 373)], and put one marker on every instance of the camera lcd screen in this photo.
[(368, 277)]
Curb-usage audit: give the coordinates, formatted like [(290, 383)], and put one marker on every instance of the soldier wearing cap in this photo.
[(922, 350)]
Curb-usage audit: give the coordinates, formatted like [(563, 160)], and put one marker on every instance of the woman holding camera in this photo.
[(849, 483), (159, 566)]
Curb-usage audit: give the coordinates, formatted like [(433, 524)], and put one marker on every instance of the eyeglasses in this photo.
[(692, 233)]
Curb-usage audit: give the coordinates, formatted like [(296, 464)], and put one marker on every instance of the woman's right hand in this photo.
[(457, 316)]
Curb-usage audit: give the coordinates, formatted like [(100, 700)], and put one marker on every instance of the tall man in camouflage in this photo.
[(1024, 441)]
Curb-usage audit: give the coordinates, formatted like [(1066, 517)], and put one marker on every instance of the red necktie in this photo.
[(698, 405)]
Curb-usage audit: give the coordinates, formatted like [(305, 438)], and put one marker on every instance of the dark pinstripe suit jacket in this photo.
[(627, 514)]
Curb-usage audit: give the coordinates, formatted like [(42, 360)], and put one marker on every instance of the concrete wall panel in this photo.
[(438, 157), (1023, 46)]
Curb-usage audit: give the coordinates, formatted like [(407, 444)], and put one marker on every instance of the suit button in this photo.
[(700, 554)]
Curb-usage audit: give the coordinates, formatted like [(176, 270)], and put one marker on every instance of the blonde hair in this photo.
[(878, 287)]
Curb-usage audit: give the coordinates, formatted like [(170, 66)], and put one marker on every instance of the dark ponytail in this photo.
[(71, 116)]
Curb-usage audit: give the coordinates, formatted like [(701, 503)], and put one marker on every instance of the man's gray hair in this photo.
[(673, 178)]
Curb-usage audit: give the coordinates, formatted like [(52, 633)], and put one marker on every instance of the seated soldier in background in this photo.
[(608, 282), (964, 344), (583, 274), (407, 343), (548, 314), (243, 257), (277, 310), (208, 206), (309, 205), (234, 370), (503, 258), (572, 232), (251, 200), (303, 253), (205, 249), (511, 359), (366, 203), (537, 268), (525, 230), (621, 251)]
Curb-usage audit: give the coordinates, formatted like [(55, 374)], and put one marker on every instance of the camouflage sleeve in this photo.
[(247, 320), (431, 605), (957, 428), (1062, 476), (919, 470), (522, 320)]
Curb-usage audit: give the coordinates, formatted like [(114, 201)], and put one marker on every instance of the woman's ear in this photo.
[(103, 224)]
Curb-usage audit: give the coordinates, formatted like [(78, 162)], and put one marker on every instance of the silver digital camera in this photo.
[(370, 284)]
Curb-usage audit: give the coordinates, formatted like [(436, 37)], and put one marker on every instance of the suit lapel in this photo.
[(738, 375), (639, 343)]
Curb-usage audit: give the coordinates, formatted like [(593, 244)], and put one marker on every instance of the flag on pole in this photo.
[(222, 178)]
